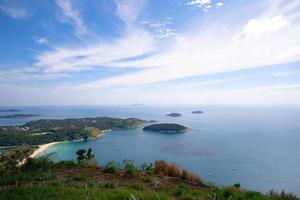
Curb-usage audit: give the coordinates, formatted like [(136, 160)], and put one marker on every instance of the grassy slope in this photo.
[(92, 183)]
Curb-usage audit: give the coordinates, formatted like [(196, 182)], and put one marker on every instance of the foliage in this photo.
[(111, 167), (129, 169), (50, 130)]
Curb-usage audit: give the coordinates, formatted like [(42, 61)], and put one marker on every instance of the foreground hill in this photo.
[(54, 130), (41, 178)]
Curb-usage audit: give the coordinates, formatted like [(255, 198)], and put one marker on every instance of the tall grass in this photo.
[(161, 167)]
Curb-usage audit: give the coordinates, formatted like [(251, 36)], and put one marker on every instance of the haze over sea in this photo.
[(256, 146)]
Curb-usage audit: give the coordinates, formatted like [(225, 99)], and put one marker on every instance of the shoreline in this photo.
[(42, 148)]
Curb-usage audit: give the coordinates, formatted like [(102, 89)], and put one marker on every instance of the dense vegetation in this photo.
[(166, 128), (18, 116), (51, 130), (43, 179), (197, 112), (174, 115)]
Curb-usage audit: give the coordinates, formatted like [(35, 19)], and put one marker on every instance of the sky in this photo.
[(120, 52)]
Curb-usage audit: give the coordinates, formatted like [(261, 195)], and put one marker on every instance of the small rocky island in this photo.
[(197, 112), (166, 128), (173, 115)]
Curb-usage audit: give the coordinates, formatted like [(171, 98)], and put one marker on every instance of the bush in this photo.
[(136, 187), (237, 185), (129, 169), (173, 170), (179, 190), (111, 167), (149, 179), (146, 167), (43, 164), (161, 167), (282, 195), (110, 184), (185, 175)]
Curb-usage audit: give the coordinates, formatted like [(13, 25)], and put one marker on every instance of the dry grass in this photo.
[(163, 168)]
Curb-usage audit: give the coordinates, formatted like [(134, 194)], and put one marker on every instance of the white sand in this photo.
[(41, 148)]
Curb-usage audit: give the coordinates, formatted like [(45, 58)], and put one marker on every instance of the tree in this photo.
[(89, 154), (81, 155)]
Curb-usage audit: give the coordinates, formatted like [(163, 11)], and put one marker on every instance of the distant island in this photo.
[(9, 110), (166, 128), (197, 112), (53, 130), (173, 115), (17, 116)]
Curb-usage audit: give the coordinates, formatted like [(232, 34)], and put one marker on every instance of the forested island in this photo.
[(54, 130), (166, 128), (173, 115), (9, 110), (197, 112), (18, 116)]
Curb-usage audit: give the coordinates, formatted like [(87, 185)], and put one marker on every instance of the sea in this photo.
[(255, 146)]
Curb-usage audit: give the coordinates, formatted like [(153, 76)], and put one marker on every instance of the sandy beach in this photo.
[(42, 148)]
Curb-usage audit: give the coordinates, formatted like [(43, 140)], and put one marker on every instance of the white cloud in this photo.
[(42, 40), (100, 54), (129, 10), (199, 3), (72, 16), (162, 29), (219, 4), (285, 73), (199, 51), (257, 28), (13, 9)]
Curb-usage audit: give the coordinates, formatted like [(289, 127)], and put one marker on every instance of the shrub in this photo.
[(149, 179), (237, 185), (68, 164), (136, 187), (129, 169), (146, 167), (173, 170), (282, 195), (179, 190), (110, 184), (43, 163), (161, 167), (111, 167), (185, 175)]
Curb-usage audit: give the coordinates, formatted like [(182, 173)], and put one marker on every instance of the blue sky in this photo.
[(76, 52)]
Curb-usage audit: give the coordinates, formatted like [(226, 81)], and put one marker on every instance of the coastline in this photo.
[(42, 148)]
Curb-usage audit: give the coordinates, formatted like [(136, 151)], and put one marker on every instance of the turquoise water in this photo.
[(262, 143)]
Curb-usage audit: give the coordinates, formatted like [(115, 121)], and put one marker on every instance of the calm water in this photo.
[(262, 143)]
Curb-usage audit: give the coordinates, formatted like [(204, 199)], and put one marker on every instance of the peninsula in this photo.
[(166, 128), (9, 110), (17, 116), (54, 130)]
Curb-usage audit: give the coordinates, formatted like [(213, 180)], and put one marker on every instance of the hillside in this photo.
[(54, 130), (41, 178)]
